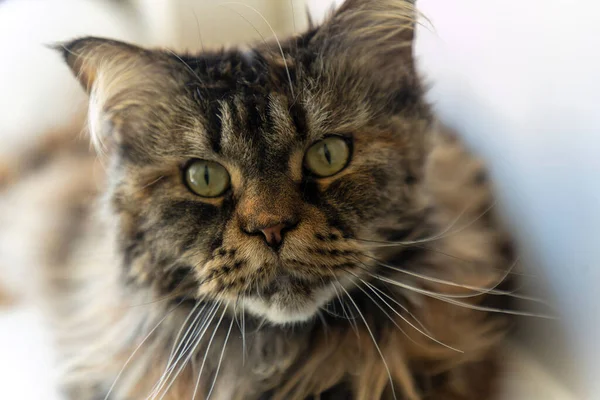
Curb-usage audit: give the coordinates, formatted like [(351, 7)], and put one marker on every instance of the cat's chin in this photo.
[(285, 308), (281, 314)]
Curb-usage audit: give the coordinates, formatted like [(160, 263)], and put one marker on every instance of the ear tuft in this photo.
[(119, 78), (373, 36), (89, 56)]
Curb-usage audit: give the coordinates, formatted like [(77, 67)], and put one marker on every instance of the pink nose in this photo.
[(273, 234)]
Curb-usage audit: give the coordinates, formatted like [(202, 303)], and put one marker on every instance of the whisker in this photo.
[(194, 341), (406, 320), (479, 290), (199, 32), (235, 312), (137, 349), (287, 70), (323, 324), (191, 343), (381, 308), (248, 21), (446, 232), (262, 323), (448, 299), (186, 65), (333, 313), (374, 342), (177, 344), (325, 307), (220, 361), (352, 320), (147, 185), (447, 295), (243, 332), (293, 16), (404, 308), (173, 295), (159, 300), (206, 353), (462, 260), (157, 387), (371, 287)]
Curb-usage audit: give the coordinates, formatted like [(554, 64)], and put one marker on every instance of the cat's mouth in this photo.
[(289, 299), (284, 282)]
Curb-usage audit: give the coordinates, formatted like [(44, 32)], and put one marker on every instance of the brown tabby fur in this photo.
[(128, 270)]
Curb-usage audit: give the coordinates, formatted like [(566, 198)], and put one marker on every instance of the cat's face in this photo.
[(241, 177)]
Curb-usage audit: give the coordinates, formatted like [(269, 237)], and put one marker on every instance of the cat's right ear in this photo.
[(98, 62), (118, 77)]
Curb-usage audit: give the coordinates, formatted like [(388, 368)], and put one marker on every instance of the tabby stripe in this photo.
[(214, 127)]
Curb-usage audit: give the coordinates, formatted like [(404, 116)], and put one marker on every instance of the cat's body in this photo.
[(379, 282), (110, 321)]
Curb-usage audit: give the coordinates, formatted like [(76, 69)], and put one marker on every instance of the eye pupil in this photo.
[(327, 153), (206, 175)]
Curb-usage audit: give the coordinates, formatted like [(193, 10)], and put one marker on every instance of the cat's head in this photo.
[(261, 177)]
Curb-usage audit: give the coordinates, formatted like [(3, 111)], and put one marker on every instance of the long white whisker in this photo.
[(397, 313), (446, 295), (289, 76), (409, 287), (136, 350), (446, 232), (374, 342), (220, 361), (235, 313), (198, 29), (189, 348), (405, 309), (249, 23), (177, 348), (293, 16), (407, 321), (177, 344), (478, 290), (448, 299), (243, 332), (186, 65), (206, 353), (462, 260), (323, 324), (383, 311), (350, 320)]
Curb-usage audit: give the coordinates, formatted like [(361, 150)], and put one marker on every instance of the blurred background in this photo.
[(518, 79)]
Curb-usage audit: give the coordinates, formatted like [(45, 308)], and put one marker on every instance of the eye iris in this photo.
[(207, 178), (327, 157)]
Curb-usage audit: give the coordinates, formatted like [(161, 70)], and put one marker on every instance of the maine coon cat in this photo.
[(283, 222)]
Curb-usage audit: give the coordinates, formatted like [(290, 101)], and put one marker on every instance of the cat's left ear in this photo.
[(373, 38)]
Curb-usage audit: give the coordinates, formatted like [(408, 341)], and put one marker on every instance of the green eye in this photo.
[(207, 178), (327, 157)]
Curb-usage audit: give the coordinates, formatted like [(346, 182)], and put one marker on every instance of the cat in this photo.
[(283, 222)]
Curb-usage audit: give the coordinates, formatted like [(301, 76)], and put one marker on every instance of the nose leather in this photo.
[(273, 234), (269, 210)]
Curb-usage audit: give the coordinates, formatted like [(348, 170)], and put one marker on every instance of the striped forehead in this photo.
[(256, 130)]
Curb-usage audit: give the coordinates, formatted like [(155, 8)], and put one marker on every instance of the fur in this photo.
[(380, 290)]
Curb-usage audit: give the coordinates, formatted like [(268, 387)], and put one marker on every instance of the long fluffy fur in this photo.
[(402, 240)]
